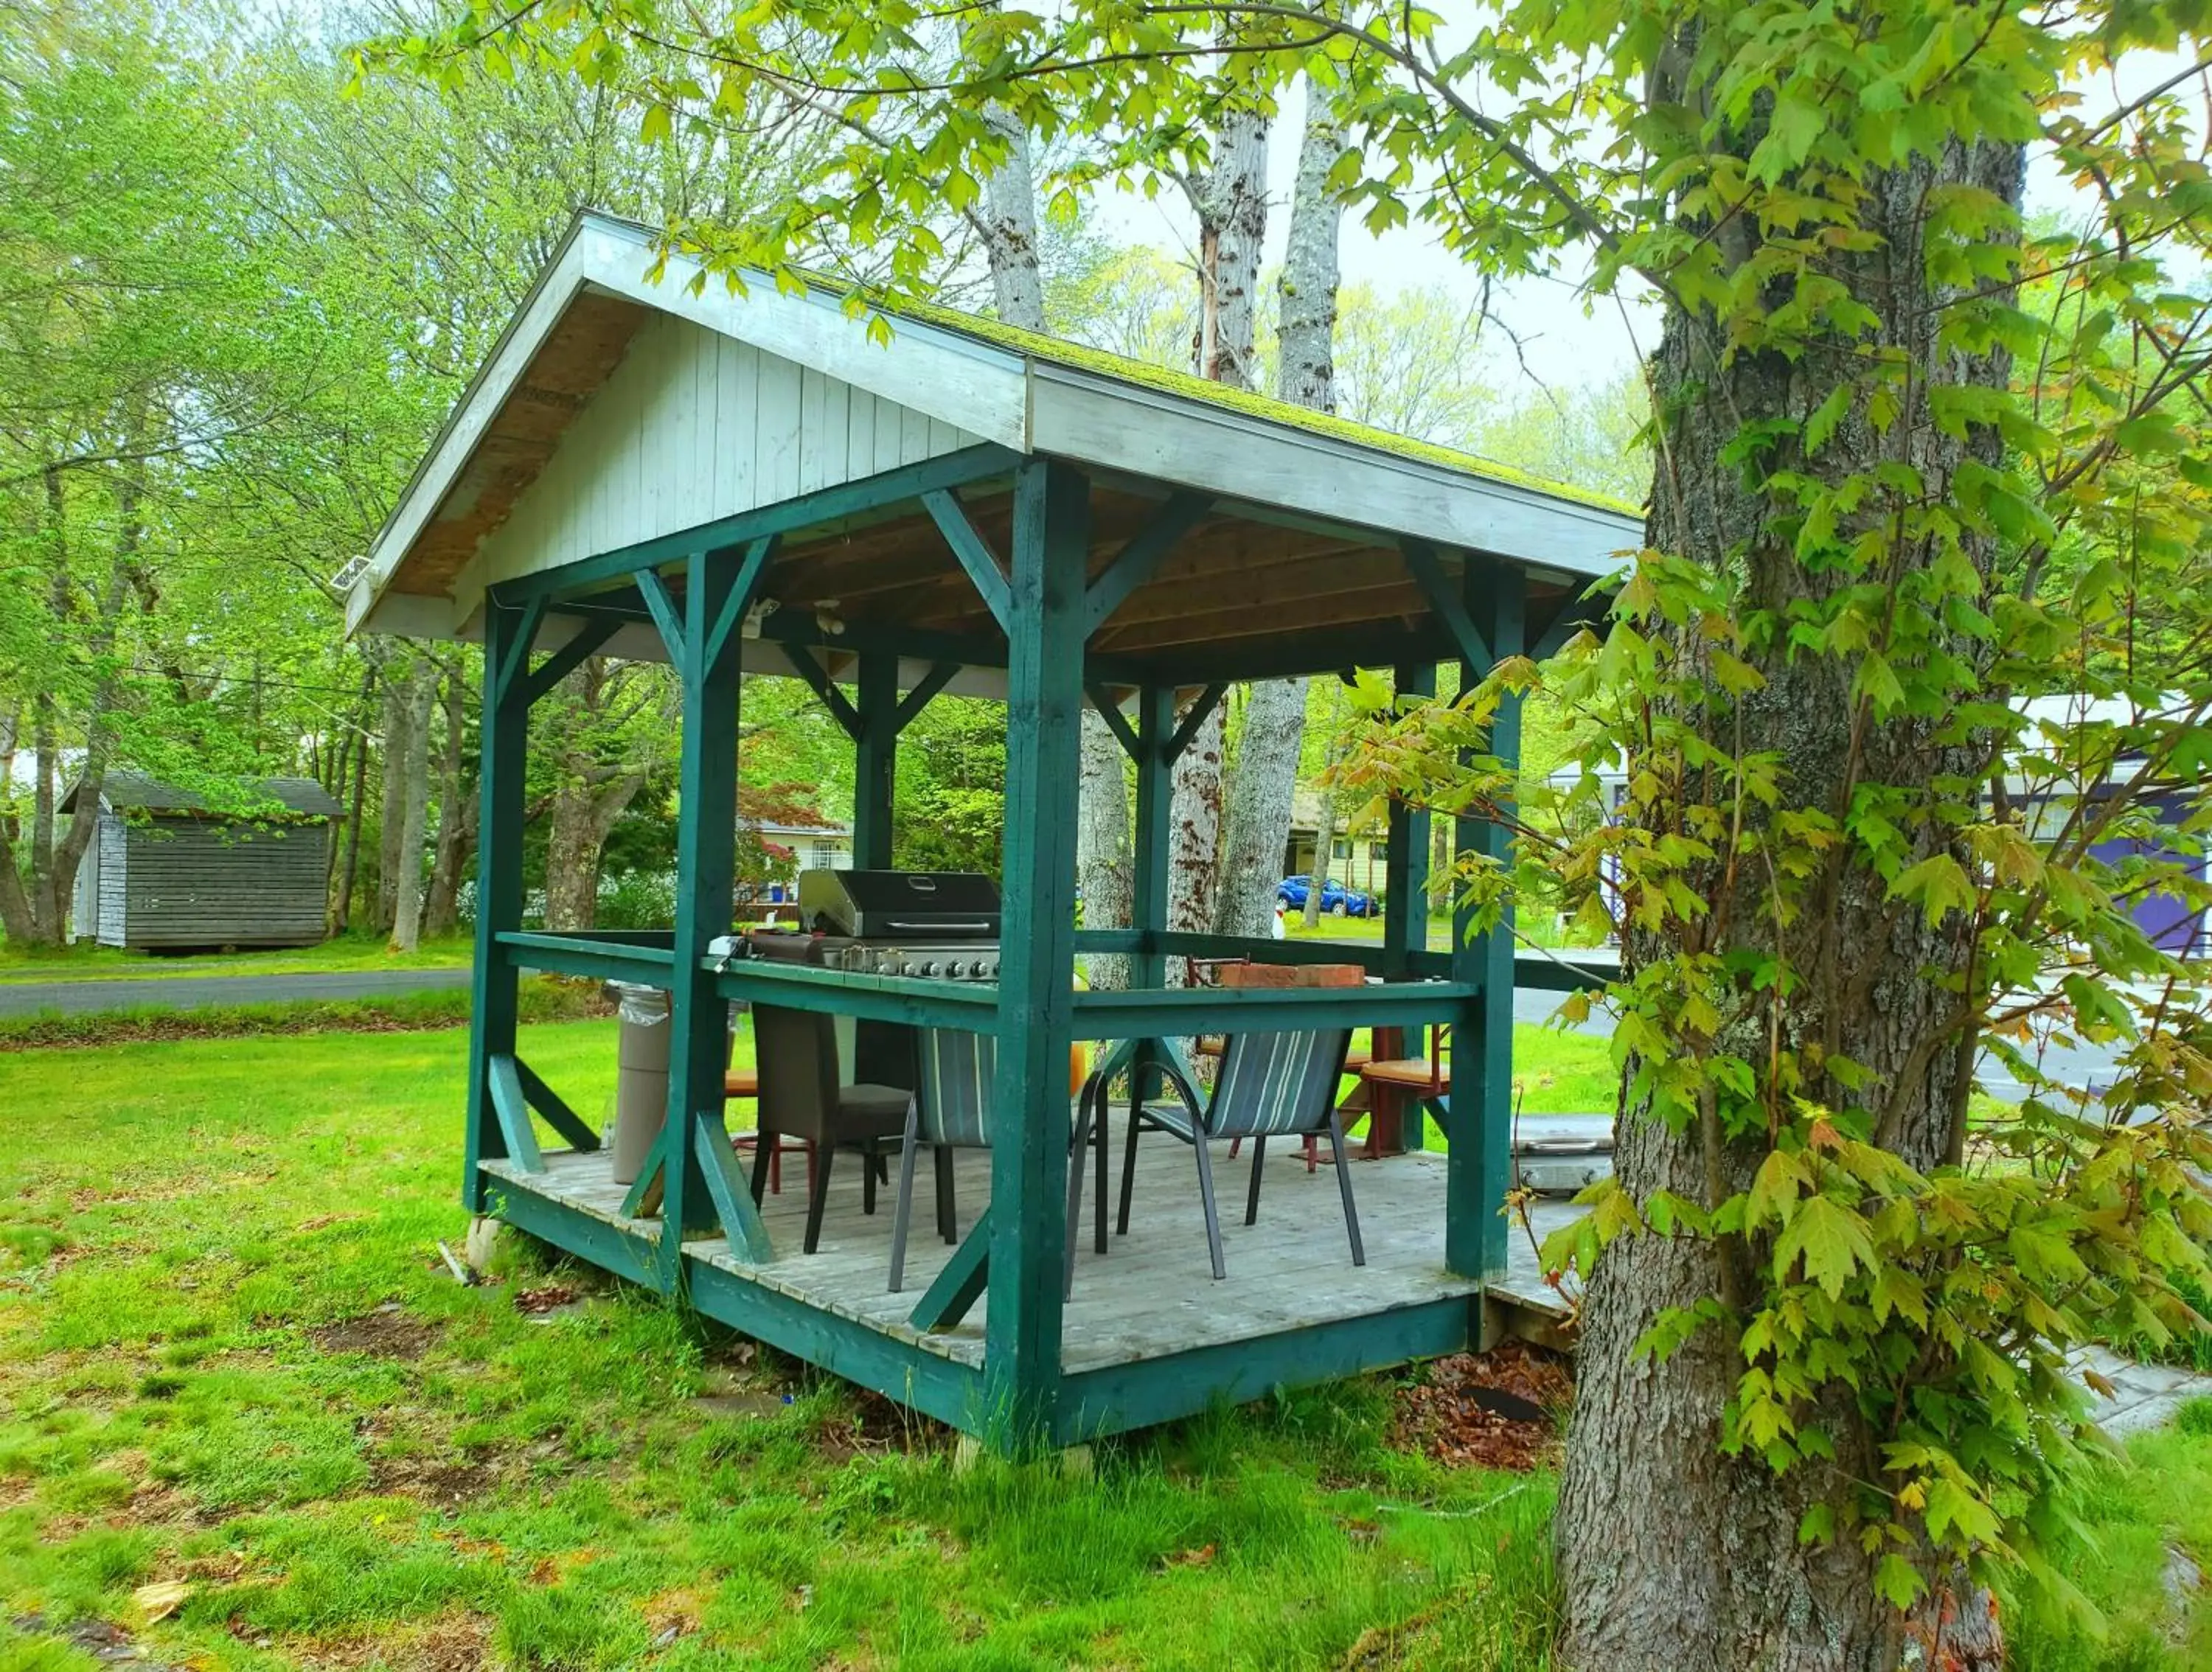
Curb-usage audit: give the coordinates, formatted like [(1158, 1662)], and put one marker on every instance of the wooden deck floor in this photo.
[(1153, 1293)]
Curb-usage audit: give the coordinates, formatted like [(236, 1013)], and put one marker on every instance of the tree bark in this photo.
[(456, 815), (407, 903), (399, 748), (589, 794), (1101, 856), (1672, 1555), (1258, 817), (15, 918), (1231, 204), (1103, 860), (1195, 836), (1010, 229), (1257, 826), (342, 917)]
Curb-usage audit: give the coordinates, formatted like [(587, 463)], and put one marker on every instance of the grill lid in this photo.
[(945, 905)]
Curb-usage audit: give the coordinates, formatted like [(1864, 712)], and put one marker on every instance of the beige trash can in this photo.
[(641, 1076)]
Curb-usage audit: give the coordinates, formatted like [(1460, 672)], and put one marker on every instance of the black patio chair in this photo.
[(801, 1097), (1269, 1085)]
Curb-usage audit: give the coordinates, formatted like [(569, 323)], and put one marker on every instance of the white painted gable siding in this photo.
[(695, 425)]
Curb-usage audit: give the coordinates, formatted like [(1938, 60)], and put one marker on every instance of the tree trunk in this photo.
[(341, 918), (1102, 856), (1010, 230), (1102, 861), (400, 747), (456, 819), (1305, 372), (1231, 202), (1258, 819), (414, 814), (1195, 836), (1257, 825), (1672, 1555), (16, 919), (572, 856)]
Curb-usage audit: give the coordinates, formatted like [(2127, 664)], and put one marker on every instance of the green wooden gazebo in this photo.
[(753, 482)]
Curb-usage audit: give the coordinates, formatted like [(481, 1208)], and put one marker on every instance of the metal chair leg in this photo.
[(948, 1213), (1077, 1161), (868, 1159), (1206, 1195), (905, 1203), (1128, 1170), (1252, 1196), (765, 1146), (1344, 1188), (1103, 1143), (824, 1155)]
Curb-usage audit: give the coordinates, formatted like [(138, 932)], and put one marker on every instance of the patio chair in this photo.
[(1270, 1086), (800, 1097), (950, 1110)]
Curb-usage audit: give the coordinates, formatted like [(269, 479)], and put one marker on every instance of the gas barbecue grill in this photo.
[(937, 924)]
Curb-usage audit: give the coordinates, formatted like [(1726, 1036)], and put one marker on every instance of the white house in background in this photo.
[(824, 847)]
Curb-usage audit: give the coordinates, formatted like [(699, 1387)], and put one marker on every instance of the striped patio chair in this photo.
[(1270, 1086), (950, 1110)]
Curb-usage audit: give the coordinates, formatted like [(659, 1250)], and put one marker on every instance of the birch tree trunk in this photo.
[(407, 905), (1102, 847), (1258, 815), (1231, 202)]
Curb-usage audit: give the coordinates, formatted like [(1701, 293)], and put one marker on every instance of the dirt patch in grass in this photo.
[(1500, 1409), (450, 1643), (389, 1332), (438, 1483)]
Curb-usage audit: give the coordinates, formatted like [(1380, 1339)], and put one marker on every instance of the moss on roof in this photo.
[(1081, 357)]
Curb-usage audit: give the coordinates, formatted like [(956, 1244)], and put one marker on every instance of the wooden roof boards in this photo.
[(619, 414)]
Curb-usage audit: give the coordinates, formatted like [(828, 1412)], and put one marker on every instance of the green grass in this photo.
[(185, 1222), (350, 952), (229, 1355), (542, 1000)]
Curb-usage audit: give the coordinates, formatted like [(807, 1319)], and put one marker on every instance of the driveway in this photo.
[(202, 992)]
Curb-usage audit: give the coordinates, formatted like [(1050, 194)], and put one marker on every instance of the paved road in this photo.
[(200, 992)]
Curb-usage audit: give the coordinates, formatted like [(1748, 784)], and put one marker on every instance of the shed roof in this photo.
[(134, 791), (1303, 513)]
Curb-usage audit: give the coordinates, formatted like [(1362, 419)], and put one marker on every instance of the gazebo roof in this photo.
[(619, 410)]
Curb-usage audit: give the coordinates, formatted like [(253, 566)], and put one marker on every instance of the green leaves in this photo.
[(1830, 1238)]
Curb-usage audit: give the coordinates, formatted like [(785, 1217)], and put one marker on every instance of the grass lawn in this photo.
[(86, 962), (230, 1360)]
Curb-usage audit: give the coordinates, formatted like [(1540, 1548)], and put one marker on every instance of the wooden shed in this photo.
[(747, 480), (164, 869)]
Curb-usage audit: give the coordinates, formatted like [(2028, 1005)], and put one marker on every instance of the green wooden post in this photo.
[(1482, 1166), (875, 757), (1036, 966), (508, 631), (1148, 893), (706, 844)]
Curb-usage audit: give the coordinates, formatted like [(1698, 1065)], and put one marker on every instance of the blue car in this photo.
[(1336, 899)]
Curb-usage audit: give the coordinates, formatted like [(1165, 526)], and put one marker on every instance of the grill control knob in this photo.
[(957, 968), (887, 965)]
